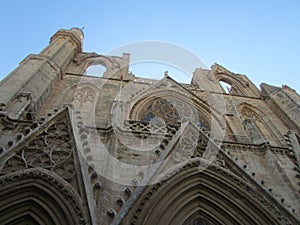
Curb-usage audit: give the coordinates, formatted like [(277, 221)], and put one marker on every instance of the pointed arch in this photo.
[(37, 196), (226, 86), (169, 99), (256, 118), (187, 108), (239, 84), (84, 99), (114, 65), (214, 195), (236, 86), (96, 70), (85, 60)]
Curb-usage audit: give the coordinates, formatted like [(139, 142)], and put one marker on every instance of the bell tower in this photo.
[(27, 87)]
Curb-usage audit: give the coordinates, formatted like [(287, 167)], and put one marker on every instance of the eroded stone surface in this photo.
[(206, 155)]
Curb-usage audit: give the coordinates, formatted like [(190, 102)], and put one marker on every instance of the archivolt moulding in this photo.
[(39, 196)]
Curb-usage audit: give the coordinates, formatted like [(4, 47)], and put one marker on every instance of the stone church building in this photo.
[(119, 149)]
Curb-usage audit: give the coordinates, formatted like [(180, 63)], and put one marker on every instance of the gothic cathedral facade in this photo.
[(124, 150)]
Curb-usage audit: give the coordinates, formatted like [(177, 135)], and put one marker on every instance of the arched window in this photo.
[(161, 110), (97, 70), (255, 126), (252, 130), (231, 83), (36, 196), (226, 86), (170, 110)]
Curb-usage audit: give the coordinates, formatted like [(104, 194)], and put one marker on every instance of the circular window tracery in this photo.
[(168, 111)]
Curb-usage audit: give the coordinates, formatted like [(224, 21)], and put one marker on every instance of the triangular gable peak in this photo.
[(192, 143), (50, 146), (242, 203), (195, 158)]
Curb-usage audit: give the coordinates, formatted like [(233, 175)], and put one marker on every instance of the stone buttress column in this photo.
[(29, 85)]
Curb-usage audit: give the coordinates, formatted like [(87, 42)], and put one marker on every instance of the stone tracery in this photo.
[(161, 111), (170, 110), (49, 200), (43, 156), (243, 189), (85, 94), (254, 123), (51, 150)]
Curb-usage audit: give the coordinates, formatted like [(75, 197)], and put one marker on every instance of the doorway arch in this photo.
[(36, 196), (213, 195)]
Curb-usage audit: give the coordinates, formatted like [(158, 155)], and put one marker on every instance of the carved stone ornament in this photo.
[(46, 182), (167, 110), (51, 149), (85, 94), (271, 206), (6, 123)]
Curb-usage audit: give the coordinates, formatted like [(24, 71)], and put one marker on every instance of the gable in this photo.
[(213, 194), (49, 148), (219, 189)]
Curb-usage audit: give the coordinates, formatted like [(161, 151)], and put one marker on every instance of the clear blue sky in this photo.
[(256, 38)]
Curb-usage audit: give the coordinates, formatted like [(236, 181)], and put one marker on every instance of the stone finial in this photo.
[(78, 32), (166, 74)]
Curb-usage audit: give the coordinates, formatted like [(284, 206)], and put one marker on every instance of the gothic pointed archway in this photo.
[(35, 196), (213, 196)]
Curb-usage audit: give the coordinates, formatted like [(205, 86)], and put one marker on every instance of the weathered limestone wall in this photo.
[(262, 128), (37, 74)]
